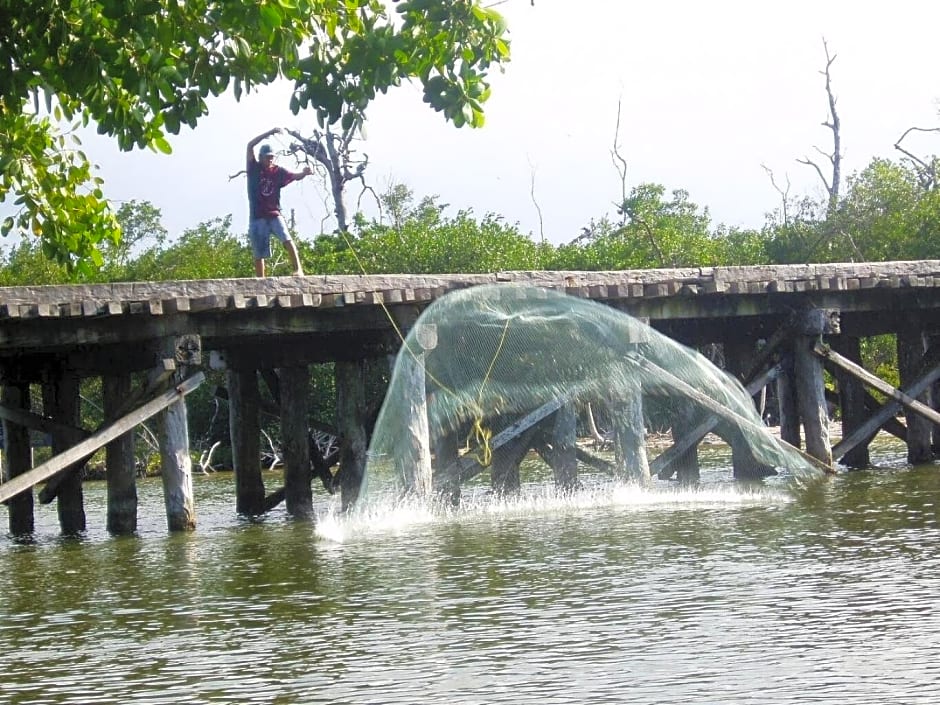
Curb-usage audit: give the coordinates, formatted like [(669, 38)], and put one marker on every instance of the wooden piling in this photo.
[(121, 473), (176, 468), (176, 465), (811, 385), (414, 465), (350, 417), (786, 398), (18, 460), (852, 397), (445, 449), (911, 346), (61, 402), (630, 436), (245, 433), (294, 384), (738, 357), (686, 465), (564, 438)]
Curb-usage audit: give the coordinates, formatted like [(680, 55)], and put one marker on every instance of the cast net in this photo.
[(489, 373)]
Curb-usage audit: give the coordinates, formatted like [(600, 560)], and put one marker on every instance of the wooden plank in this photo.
[(176, 304), (212, 302), (94, 442), (715, 407), (871, 380), (27, 419), (887, 411), (466, 463), (669, 455)]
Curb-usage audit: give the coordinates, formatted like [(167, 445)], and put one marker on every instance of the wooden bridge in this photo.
[(147, 342)]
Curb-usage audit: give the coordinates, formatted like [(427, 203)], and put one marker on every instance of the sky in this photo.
[(709, 94)]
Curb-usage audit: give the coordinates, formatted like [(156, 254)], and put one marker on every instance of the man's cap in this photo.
[(265, 149)]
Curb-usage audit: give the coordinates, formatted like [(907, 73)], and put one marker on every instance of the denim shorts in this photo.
[(260, 231)]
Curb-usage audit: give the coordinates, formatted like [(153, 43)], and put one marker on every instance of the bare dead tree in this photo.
[(926, 168), (620, 164), (784, 194), (333, 153), (834, 182), (535, 202)]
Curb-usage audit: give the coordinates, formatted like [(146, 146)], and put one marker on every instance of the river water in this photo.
[(820, 594)]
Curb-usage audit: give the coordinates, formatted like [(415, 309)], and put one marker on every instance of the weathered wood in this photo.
[(87, 447), (871, 380), (36, 422), (712, 405), (60, 395), (890, 426), (564, 440), (811, 399), (245, 434), (414, 464), (738, 354), (591, 460), (786, 399), (274, 499), (294, 388), (351, 416), (888, 410), (468, 466), (446, 448), (911, 345), (694, 435), (851, 398), (933, 341), (505, 477), (157, 383), (176, 467), (630, 436), (120, 471), (18, 460)]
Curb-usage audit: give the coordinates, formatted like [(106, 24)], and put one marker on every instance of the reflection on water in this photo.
[(615, 595)]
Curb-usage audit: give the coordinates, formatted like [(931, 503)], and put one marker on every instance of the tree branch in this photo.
[(834, 184)]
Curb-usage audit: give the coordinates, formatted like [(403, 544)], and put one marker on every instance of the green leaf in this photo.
[(162, 145)]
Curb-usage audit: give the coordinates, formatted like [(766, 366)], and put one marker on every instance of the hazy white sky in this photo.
[(709, 91)]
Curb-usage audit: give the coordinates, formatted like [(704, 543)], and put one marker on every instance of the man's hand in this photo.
[(307, 171)]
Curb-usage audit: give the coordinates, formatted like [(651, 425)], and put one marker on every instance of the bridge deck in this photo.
[(343, 317)]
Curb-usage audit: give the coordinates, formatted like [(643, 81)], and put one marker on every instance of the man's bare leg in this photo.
[(294, 259), (259, 267)]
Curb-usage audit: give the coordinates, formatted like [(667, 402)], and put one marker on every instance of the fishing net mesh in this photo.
[(492, 355)]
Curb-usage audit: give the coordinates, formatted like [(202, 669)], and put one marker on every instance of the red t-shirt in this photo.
[(264, 189)]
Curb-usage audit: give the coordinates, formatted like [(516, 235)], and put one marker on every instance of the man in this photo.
[(265, 180)]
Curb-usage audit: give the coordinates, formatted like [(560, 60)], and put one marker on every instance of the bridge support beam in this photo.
[(563, 457), (176, 465), (810, 382), (414, 466), (119, 459), (61, 402), (18, 460), (294, 383), (630, 436), (245, 432), (911, 346), (351, 418), (738, 356), (852, 397), (445, 450)]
